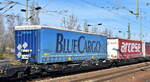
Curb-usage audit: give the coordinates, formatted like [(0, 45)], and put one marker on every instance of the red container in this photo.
[(147, 49), (130, 49), (124, 49)]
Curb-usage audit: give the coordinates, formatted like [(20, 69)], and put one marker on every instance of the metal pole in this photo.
[(129, 33), (27, 11), (137, 8), (141, 34), (139, 17)]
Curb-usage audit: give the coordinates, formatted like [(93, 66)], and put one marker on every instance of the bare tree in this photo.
[(10, 32), (78, 27), (107, 33), (85, 27), (69, 22), (2, 29), (94, 29), (64, 23), (19, 20)]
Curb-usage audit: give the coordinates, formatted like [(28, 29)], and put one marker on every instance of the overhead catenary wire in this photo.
[(106, 10), (9, 5), (46, 4), (2, 8), (8, 9), (114, 13), (124, 8)]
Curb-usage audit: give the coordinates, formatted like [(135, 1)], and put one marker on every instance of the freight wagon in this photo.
[(42, 44), (42, 50), (124, 49), (147, 49)]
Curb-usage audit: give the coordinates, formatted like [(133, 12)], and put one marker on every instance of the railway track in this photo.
[(100, 75)]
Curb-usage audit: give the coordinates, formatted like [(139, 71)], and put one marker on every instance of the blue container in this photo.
[(40, 44)]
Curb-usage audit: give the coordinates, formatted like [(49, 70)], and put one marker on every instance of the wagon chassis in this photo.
[(29, 70)]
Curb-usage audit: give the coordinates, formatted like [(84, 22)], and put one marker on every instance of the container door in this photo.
[(26, 45)]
